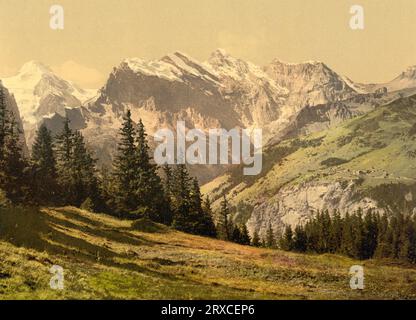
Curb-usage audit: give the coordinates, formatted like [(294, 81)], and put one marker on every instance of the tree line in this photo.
[(61, 171), (358, 235)]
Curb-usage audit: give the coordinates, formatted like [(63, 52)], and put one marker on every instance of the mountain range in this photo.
[(299, 106)]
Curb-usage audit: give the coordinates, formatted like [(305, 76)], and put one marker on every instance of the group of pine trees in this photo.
[(358, 235), (229, 231), (61, 171), (13, 166)]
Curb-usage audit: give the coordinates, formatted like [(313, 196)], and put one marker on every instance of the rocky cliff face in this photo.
[(295, 204), (309, 83), (223, 92), (14, 110)]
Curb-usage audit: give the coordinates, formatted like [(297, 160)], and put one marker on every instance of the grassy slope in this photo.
[(105, 258), (382, 141)]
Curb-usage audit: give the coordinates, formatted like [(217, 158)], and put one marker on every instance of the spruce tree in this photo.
[(43, 163), (125, 169), (149, 190), (3, 119), (207, 222), (245, 236), (270, 239), (236, 234), (256, 239), (13, 179), (299, 239), (3, 131), (167, 183), (223, 223), (84, 173), (384, 238), (335, 234), (64, 154), (182, 199), (347, 242), (286, 240)]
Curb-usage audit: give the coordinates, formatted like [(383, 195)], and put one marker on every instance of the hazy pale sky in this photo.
[(98, 34)]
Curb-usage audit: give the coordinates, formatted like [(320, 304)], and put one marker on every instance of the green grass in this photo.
[(105, 258)]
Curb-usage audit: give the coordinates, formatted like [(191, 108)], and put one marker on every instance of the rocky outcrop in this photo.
[(295, 204), (14, 110)]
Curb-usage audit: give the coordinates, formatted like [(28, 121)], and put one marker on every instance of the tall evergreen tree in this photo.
[(286, 241), (43, 162), (13, 165), (347, 246), (270, 237), (182, 219), (3, 119), (256, 239), (223, 223), (245, 236), (64, 155), (84, 174), (207, 222), (236, 234), (384, 238), (149, 189), (335, 234), (299, 239), (125, 169)]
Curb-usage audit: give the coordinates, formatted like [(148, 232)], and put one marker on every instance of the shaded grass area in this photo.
[(105, 258)]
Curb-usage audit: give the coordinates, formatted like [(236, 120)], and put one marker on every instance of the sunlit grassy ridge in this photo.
[(105, 258)]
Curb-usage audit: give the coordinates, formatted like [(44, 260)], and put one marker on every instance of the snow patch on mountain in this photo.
[(40, 92)]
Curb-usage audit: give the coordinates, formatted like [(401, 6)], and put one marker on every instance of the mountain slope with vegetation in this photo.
[(367, 162), (107, 258)]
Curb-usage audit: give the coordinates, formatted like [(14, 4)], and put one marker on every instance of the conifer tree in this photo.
[(149, 190), (84, 174), (347, 246), (299, 239), (245, 236), (207, 224), (335, 234), (64, 155), (384, 239), (256, 239), (236, 234), (182, 199), (270, 238), (125, 169), (3, 119), (44, 175), (223, 224), (168, 180), (286, 242), (370, 234), (13, 164)]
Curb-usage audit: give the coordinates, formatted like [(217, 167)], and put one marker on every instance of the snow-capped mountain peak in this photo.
[(176, 66), (39, 92), (34, 67), (246, 73), (407, 79)]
